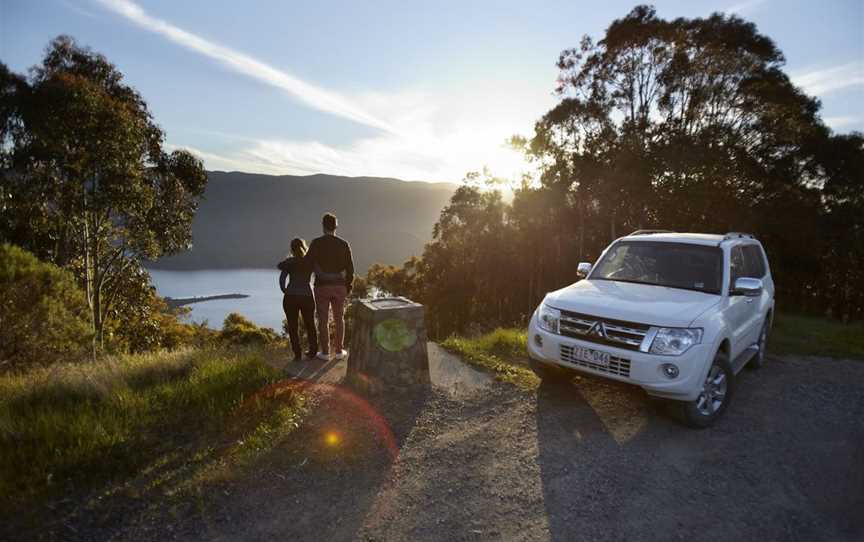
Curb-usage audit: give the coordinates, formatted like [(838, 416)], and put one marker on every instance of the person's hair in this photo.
[(329, 222), (298, 247)]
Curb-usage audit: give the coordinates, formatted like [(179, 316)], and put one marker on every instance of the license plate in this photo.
[(591, 356)]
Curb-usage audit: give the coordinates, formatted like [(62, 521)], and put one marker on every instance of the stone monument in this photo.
[(388, 346)]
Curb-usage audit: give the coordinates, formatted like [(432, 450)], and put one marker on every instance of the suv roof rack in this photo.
[(648, 232), (738, 235)]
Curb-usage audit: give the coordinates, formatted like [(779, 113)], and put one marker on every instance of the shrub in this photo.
[(43, 314), (237, 330), (141, 320)]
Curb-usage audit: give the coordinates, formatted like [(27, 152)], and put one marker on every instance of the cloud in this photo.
[(839, 122), (744, 7), (823, 81), (428, 136), (78, 9), (438, 137), (415, 158), (308, 93)]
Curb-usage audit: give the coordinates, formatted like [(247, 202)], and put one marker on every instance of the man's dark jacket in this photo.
[(331, 261)]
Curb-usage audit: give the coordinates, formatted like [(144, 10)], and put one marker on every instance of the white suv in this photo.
[(678, 314)]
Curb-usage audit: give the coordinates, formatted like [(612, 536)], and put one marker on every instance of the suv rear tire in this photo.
[(716, 394)]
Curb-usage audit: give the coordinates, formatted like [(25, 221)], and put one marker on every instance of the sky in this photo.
[(414, 90)]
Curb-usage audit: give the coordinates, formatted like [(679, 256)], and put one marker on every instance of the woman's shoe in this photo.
[(323, 356), (310, 354)]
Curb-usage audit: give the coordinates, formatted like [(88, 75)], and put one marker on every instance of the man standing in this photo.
[(334, 277)]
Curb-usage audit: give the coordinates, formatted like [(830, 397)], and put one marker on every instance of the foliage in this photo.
[(43, 314), (689, 125), (238, 330), (807, 336), (501, 351), (360, 288), (74, 426), (86, 180), (390, 278), (142, 321)]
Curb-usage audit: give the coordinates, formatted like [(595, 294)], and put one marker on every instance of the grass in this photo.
[(805, 335), (164, 417), (503, 352)]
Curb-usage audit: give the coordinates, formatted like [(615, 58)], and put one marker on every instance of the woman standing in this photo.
[(298, 298)]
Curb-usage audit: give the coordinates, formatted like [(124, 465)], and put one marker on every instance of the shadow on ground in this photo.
[(317, 486), (784, 463)]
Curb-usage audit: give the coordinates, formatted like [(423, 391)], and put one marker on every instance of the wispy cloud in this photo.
[(744, 7), (423, 136), (439, 138), (78, 9), (822, 81), (415, 158), (308, 93), (841, 121)]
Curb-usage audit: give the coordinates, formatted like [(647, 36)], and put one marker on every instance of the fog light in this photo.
[(538, 340), (670, 370)]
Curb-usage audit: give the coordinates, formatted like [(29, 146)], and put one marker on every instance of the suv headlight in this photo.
[(547, 318), (674, 341)]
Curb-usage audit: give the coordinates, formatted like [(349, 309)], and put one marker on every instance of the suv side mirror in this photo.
[(747, 287), (583, 269)]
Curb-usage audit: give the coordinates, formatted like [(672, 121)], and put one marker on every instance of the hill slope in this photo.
[(248, 220)]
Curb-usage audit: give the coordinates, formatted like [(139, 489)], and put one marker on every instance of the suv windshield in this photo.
[(676, 265)]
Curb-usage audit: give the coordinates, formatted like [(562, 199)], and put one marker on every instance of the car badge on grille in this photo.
[(599, 330)]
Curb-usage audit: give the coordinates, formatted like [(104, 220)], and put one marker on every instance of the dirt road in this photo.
[(481, 460)]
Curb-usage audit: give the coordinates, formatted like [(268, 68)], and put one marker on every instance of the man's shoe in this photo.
[(341, 354), (311, 354), (323, 355)]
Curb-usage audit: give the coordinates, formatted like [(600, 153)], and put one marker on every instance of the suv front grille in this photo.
[(617, 366), (628, 335)]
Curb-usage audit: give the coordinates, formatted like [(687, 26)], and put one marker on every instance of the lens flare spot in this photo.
[(332, 438)]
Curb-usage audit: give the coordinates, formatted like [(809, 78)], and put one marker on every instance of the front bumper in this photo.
[(641, 369)]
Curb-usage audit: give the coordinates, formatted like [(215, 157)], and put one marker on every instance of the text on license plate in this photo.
[(591, 356)]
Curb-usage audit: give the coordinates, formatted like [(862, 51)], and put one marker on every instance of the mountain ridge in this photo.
[(247, 220)]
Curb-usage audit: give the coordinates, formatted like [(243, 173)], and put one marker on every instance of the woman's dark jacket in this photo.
[(300, 272)]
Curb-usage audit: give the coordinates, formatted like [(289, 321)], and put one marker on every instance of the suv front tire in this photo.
[(716, 394)]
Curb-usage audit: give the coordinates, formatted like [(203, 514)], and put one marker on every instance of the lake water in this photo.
[(263, 306)]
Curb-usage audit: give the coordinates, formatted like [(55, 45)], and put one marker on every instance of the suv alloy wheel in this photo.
[(715, 395)]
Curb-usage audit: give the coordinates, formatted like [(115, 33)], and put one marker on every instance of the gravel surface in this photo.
[(585, 460)]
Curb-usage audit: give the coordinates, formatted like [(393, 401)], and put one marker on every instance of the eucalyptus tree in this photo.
[(676, 122), (690, 124), (87, 182)]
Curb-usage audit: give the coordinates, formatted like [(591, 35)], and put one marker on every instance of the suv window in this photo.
[(738, 266), (674, 265), (746, 261), (755, 262)]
